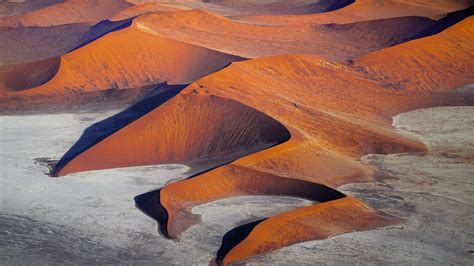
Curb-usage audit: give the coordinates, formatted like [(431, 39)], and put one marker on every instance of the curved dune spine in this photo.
[(308, 223), (345, 113)]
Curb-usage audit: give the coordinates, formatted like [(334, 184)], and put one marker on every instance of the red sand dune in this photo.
[(363, 10), (334, 112), (180, 47), (66, 12), (335, 42), (124, 59), (140, 9)]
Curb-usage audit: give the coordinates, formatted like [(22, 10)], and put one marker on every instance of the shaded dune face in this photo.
[(30, 44), (334, 112), (28, 75), (66, 12), (199, 128), (12, 7), (241, 8), (275, 7), (363, 10)]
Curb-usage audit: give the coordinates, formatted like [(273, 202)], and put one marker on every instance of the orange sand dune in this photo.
[(140, 9), (314, 222), (69, 11), (335, 113), (128, 58), (335, 42), (363, 10)]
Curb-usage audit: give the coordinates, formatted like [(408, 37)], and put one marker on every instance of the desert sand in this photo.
[(330, 123)]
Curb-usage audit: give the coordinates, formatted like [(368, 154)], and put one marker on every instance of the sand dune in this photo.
[(29, 44), (28, 75), (335, 42), (250, 7), (363, 10), (123, 59), (320, 88), (66, 12), (335, 113), (140, 9), (145, 51)]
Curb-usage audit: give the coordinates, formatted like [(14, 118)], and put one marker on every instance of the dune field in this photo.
[(247, 131)]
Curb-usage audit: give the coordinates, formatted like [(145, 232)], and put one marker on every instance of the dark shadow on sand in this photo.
[(102, 28), (100, 130), (449, 20)]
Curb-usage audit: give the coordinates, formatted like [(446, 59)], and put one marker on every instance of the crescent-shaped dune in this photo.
[(66, 12), (335, 113), (363, 10)]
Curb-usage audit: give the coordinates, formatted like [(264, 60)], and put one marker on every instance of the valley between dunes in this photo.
[(279, 102)]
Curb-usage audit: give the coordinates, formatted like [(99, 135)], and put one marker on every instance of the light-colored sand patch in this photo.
[(90, 217)]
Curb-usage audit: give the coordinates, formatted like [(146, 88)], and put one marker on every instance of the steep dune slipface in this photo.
[(123, 59), (334, 112), (200, 129), (67, 12), (334, 42), (28, 75), (363, 10)]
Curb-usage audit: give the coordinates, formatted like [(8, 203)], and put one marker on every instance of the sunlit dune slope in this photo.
[(363, 10), (140, 9), (66, 12), (442, 61), (335, 42), (123, 59), (335, 113)]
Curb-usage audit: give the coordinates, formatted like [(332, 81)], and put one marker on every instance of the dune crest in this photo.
[(335, 113), (66, 12), (334, 42), (363, 10), (123, 59)]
